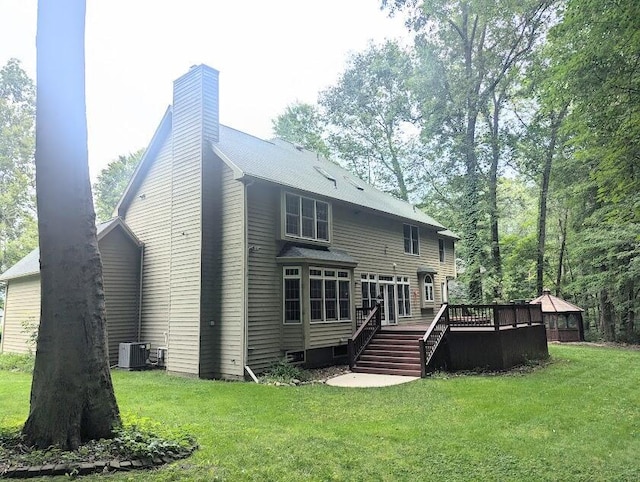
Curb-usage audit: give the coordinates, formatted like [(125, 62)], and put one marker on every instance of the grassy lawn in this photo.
[(577, 419)]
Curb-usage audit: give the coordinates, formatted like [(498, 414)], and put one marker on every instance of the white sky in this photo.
[(269, 54)]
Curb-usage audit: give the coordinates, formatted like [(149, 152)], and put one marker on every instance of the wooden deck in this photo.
[(460, 337)]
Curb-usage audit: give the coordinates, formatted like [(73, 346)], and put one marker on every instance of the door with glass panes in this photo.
[(388, 301)]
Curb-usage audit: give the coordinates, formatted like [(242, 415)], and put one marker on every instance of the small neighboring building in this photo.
[(563, 320), (120, 251)]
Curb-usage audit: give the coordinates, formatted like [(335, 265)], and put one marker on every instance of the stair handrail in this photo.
[(363, 335), (435, 321), (440, 319)]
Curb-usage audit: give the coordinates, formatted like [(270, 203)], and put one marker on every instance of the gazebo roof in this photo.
[(553, 304)]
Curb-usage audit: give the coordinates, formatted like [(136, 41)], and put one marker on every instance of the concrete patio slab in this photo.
[(368, 380)]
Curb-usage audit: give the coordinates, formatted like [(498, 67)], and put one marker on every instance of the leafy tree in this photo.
[(475, 46), (72, 398), (112, 181), (303, 125), (596, 61), (17, 196), (371, 115)]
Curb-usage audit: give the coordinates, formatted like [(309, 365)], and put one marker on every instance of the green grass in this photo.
[(576, 419)]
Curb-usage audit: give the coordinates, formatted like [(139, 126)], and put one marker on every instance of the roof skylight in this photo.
[(355, 184)]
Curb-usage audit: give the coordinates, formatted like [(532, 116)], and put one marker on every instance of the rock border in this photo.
[(86, 468)]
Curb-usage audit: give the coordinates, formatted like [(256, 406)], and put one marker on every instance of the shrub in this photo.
[(285, 372), (15, 362)]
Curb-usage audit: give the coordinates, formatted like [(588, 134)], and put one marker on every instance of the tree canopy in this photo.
[(517, 125), (112, 181), (18, 233)]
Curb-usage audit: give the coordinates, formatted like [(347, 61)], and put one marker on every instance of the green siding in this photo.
[(264, 277), (222, 345), (120, 268)]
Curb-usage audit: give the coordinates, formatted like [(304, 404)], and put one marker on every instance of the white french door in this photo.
[(388, 303)]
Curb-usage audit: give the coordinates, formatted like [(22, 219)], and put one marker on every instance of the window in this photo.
[(428, 289), (441, 249), (330, 295), (306, 218), (369, 290), (404, 297), (292, 294), (411, 242)]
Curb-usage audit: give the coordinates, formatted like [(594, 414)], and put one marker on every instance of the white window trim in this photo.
[(375, 279), (337, 279), (315, 219), (426, 300), (411, 238), (441, 242), (400, 285), (284, 304)]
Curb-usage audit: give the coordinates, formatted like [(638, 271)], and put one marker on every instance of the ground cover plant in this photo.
[(577, 418)]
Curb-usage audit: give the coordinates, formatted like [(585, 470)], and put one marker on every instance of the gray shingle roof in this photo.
[(332, 255), (283, 163), (30, 264)]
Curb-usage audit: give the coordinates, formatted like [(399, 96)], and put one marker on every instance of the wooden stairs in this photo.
[(390, 352)]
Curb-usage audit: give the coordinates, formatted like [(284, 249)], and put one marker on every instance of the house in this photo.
[(120, 251), (255, 250)]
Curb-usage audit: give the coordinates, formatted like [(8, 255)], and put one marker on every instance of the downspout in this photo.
[(140, 274), (245, 268)]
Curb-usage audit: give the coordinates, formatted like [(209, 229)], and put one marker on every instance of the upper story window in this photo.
[(411, 239), (441, 250), (306, 218)]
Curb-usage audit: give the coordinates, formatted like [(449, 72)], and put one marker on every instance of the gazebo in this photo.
[(562, 319)]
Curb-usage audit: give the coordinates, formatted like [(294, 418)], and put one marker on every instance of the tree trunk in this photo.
[(72, 397), (607, 313), (629, 315), (471, 214), (494, 127), (563, 245), (556, 121)]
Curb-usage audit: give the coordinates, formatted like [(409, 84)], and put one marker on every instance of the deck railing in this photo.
[(494, 316), (361, 314), (433, 336), (363, 335), (474, 316)]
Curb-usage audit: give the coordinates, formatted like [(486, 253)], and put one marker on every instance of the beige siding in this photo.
[(148, 216), (209, 303), (292, 337), (265, 291), (222, 345), (121, 265), (329, 334), (375, 241), (21, 314), (186, 224)]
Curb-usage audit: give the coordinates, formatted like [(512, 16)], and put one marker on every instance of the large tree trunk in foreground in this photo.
[(72, 397)]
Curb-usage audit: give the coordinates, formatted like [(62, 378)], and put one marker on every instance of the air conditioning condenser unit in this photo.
[(133, 356)]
